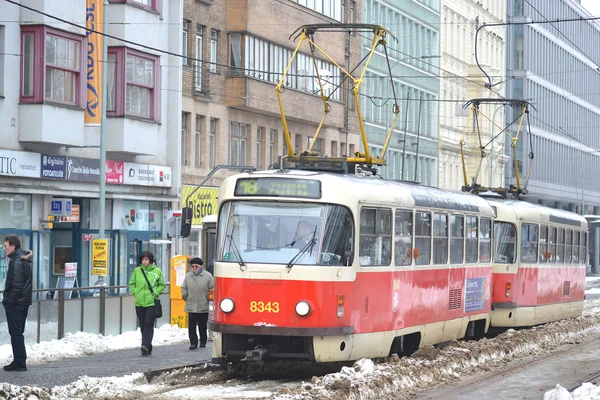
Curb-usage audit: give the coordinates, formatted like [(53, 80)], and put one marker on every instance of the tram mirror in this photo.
[(348, 258), (186, 221)]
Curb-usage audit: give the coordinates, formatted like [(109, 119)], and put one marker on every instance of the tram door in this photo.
[(209, 243)]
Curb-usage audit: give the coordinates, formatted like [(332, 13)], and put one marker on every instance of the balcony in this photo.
[(250, 94), (50, 124), (132, 136)]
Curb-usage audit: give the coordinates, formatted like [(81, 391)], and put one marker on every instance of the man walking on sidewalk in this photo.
[(17, 299), (195, 291)]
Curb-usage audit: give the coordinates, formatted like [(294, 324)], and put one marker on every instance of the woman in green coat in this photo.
[(144, 299)]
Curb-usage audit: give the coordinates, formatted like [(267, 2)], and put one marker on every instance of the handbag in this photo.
[(157, 306)]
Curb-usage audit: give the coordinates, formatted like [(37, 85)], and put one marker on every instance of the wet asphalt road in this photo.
[(118, 363)]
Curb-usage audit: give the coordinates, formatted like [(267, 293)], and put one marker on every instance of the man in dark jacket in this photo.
[(17, 299)]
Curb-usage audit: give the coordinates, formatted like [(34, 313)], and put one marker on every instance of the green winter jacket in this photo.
[(139, 287)]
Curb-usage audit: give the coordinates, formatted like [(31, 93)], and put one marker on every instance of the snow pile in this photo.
[(81, 343), (587, 391)]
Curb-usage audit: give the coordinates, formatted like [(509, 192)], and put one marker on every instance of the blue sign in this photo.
[(56, 207), (475, 294), (53, 167)]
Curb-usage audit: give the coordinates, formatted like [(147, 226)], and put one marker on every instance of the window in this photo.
[(334, 149), (51, 67), (551, 244), (544, 244), (184, 44), (583, 248), (403, 238), (134, 80), (457, 239), (440, 239), (375, 237), (235, 54), (575, 247), (213, 142), (259, 141), (237, 143), (155, 5), (568, 246), (423, 238), (529, 243), (198, 142), (485, 240), (560, 248), (184, 125), (471, 248), (2, 50), (272, 135), (505, 235), (198, 61), (214, 36)]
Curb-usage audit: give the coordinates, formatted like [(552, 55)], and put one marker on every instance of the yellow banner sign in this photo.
[(100, 257), (203, 202), (94, 20)]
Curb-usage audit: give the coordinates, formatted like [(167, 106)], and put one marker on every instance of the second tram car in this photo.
[(332, 267), (540, 264)]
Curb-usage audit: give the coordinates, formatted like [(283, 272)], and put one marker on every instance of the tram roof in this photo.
[(537, 212), (377, 190)]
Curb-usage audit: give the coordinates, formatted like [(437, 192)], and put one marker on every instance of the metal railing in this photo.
[(110, 312)]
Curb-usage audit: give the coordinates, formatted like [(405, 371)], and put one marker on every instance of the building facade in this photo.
[(567, 111), (236, 54), (414, 62), (50, 128), (462, 80)]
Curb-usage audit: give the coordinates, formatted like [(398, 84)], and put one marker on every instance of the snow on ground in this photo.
[(381, 379)]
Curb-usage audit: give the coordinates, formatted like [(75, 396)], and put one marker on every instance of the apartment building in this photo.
[(462, 80), (414, 64), (237, 51), (50, 128)]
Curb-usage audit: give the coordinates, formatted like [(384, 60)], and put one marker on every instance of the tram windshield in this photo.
[(285, 233)]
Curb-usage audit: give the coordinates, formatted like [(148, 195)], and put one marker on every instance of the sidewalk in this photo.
[(117, 363)]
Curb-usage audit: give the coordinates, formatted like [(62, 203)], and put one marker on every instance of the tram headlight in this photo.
[(227, 305), (302, 308)]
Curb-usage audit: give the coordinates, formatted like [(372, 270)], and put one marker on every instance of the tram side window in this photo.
[(505, 235), (544, 256), (560, 246), (423, 238), (471, 248), (575, 256), (529, 243), (375, 237), (338, 237), (583, 248), (551, 244), (568, 246), (457, 239), (403, 237), (485, 240), (440, 238)]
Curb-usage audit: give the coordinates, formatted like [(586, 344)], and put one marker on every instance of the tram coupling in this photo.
[(255, 355)]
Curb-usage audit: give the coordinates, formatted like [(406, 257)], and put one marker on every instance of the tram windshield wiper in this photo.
[(236, 251), (307, 247)]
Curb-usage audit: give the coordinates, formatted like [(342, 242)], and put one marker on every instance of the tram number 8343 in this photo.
[(260, 307)]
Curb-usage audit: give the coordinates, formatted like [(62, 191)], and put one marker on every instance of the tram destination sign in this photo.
[(278, 187)]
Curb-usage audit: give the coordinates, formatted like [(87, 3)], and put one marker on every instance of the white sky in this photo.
[(80, 344), (593, 6)]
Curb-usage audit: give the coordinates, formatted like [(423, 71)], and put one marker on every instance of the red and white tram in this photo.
[(334, 267), (540, 264)]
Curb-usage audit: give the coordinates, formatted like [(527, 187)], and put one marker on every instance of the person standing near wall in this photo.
[(17, 299), (195, 291), (146, 284)]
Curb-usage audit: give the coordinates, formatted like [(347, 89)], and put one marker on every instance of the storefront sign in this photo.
[(86, 237), (19, 163), (203, 202), (53, 167), (70, 269), (147, 175), (83, 169), (114, 172), (18, 206), (100, 257), (61, 207)]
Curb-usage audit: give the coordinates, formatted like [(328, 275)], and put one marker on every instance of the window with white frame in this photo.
[(52, 67), (330, 8), (133, 83), (2, 47), (272, 154), (214, 37), (198, 61), (235, 53), (259, 142), (198, 141), (212, 143), (237, 143), (184, 44), (154, 5), (184, 127)]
